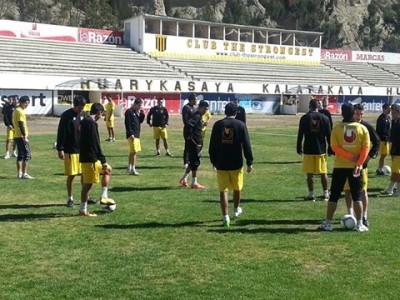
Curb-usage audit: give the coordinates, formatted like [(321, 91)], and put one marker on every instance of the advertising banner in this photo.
[(98, 36), (336, 54), (172, 100), (38, 31), (257, 104), (41, 101), (370, 103), (165, 44)]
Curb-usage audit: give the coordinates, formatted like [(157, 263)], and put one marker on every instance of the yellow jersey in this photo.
[(205, 118), (19, 116), (351, 137), (110, 108)]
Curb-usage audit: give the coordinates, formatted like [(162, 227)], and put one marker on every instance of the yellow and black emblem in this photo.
[(161, 42)]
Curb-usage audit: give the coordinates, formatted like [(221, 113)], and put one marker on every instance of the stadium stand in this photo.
[(32, 56), (372, 74), (265, 72)]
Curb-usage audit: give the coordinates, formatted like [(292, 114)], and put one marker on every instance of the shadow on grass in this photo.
[(19, 206), (150, 225), (258, 200), (263, 230), (277, 222), (28, 217), (122, 189), (278, 162), (148, 168)]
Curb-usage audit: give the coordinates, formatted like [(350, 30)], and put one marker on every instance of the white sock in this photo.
[(71, 198), (104, 193), (185, 176), (194, 180), (83, 207), (365, 214), (351, 211), (226, 218), (359, 222), (130, 167), (391, 186), (326, 193), (310, 194)]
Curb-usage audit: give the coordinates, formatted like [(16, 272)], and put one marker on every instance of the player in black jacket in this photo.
[(7, 111), (241, 112), (314, 127), (134, 116), (93, 160), (229, 141), (383, 130), (158, 118), (187, 112), (193, 141)]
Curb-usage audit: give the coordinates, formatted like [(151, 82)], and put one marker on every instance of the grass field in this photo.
[(167, 242)]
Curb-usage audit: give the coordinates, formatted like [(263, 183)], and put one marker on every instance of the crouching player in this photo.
[(92, 159)]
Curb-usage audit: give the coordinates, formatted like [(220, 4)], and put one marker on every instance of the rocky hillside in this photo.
[(349, 24)]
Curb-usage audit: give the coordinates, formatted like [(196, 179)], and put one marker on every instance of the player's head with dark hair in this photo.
[(192, 99), (348, 112), (313, 105), (385, 106), (203, 103), (138, 101), (395, 108), (160, 101), (358, 106), (231, 109), (24, 101), (96, 108), (79, 101)]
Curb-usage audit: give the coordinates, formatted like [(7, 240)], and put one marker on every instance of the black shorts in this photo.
[(339, 177), (24, 150)]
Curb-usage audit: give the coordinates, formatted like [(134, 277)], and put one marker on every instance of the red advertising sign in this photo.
[(99, 36), (172, 100), (336, 54)]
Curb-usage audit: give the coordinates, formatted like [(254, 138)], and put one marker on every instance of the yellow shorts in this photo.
[(72, 166), (396, 164), (10, 134), (314, 164), (91, 172), (384, 148), (203, 132), (134, 145), (230, 180), (110, 123), (160, 132), (364, 174)]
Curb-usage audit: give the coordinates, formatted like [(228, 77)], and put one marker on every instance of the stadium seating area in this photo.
[(372, 74), (33, 56), (78, 59), (250, 71)]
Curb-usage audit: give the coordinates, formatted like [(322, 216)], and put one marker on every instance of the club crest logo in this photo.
[(349, 135)]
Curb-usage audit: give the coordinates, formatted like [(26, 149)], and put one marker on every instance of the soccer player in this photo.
[(187, 112), (394, 151), (134, 116), (193, 144), (8, 110), (109, 118), (21, 136), (229, 141), (67, 145), (205, 120), (92, 159), (323, 109), (351, 143), (383, 129), (373, 152), (241, 112), (315, 129), (158, 118)]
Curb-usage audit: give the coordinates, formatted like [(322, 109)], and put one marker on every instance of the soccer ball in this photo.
[(387, 170), (348, 222), (110, 207)]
